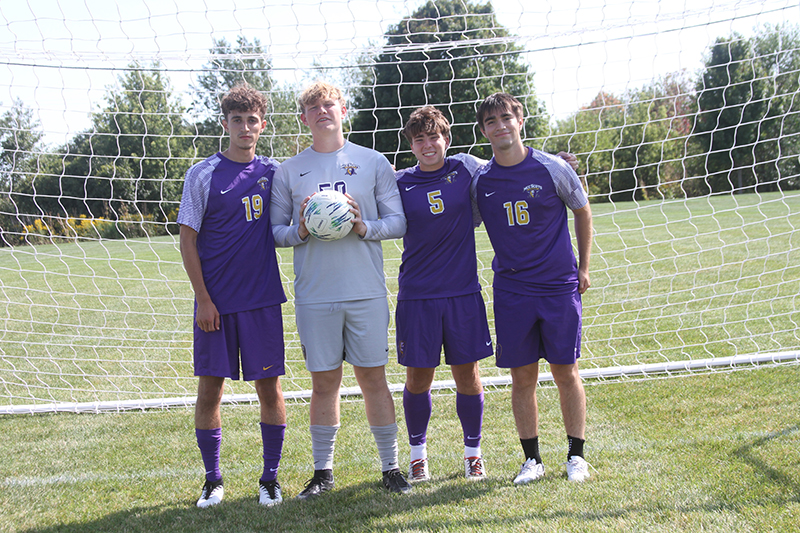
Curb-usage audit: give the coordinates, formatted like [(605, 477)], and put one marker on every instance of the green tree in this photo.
[(633, 148), (21, 148), (228, 66), (20, 145), (131, 161), (450, 54), (749, 113)]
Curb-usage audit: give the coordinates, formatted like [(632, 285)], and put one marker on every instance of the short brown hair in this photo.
[(317, 90), (244, 98), (426, 119), (497, 103)]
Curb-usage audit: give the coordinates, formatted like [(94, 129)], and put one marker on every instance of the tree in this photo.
[(749, 113), (435, 57), (132, 160), (20, 142), (21, 145), (633, 147), (228, 66)]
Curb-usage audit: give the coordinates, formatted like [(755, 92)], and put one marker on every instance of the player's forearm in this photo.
[(191, 263), (583, 236), (388, 227)]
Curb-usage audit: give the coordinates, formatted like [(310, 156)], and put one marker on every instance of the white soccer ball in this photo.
[(328, 215)]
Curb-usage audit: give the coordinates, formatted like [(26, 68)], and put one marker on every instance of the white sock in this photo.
[(419, 452), (469, 451)]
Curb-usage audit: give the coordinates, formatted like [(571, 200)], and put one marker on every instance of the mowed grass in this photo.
[(712, 452), (675, 280)]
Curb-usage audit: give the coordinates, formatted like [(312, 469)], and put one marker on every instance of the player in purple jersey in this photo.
[(340, 289), (523, 196), (439, 304), (228, 252)]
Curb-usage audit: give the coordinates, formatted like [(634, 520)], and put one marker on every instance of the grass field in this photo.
[(92, 321), (712, 452)]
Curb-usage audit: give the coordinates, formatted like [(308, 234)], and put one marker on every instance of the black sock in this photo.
[(531, 449), (575, 447)]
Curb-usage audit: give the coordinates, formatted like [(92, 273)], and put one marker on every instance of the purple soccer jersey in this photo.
[(524, 208), (227, 203), (439, 259)]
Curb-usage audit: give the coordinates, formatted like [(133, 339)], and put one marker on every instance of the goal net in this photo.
[(685, 118)]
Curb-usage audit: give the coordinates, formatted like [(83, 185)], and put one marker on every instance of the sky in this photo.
[(60, 56)]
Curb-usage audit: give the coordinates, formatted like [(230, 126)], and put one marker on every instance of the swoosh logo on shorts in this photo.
[(268, 367)]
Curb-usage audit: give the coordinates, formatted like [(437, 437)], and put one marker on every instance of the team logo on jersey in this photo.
[(349, 168), (263, 182), (450, 177), (533, 190)]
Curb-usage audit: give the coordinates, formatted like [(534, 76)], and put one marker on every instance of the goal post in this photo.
[(685, 121)]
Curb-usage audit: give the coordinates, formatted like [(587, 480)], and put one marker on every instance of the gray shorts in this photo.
[(355, 331)]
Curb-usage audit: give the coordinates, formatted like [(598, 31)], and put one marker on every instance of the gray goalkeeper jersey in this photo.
[(350, 268)]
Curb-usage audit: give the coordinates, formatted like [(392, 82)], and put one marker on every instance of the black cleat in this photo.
[(320, 483)]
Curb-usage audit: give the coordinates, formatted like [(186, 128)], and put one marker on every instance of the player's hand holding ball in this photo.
[(328, 215)]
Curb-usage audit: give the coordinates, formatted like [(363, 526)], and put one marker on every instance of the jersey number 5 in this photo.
[(436, 203), (517, 213)]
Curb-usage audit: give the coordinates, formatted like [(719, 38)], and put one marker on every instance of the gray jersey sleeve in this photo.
[(281, 210), (392, 221), (568, 185), (194, 199)]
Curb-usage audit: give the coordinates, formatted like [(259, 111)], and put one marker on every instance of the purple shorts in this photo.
[(530, 328), (256, 334), (458, 324)]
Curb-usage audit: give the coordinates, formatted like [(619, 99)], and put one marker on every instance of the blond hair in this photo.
[(319, 90)]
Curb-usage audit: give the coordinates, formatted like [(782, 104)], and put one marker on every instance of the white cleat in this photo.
[(577, 469), (531, 471), (212, 494)]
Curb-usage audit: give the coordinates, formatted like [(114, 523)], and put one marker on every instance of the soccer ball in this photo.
[(328, 215)]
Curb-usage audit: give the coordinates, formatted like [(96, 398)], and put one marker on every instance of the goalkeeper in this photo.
[(229, 255), (340, 289)]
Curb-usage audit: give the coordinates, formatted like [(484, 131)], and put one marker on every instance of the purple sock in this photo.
[(470, 412), (209, 441), (418, 409), (272, 439)]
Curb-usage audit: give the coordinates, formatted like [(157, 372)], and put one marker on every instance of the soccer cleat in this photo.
[(212, 494), (531, 471), (473, 468), (577, 468), (394, 481), (418, 470), (321, 482), (269, 493)]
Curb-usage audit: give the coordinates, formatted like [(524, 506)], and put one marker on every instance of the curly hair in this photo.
[(244, 98)]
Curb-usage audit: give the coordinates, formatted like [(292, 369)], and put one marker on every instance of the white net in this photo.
[(685, 119)]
